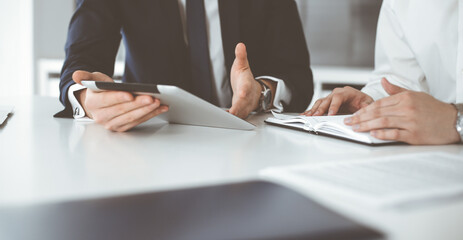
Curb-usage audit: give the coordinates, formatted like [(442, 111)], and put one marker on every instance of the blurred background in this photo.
[(340, 35)]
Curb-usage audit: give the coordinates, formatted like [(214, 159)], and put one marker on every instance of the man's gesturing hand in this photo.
[(117, 111), (246, 90), (407, 116)]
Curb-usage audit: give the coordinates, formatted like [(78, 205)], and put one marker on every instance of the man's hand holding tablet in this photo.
[(120, 110), (116, 110), (114, 104)]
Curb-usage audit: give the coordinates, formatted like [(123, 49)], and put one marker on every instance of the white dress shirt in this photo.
[(419, 46), (221, 84)]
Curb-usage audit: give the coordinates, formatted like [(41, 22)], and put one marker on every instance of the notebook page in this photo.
[(313, 122), (382, 182), (297, 121)]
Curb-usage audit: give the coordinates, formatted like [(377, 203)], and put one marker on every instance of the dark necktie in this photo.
[(199, 49)]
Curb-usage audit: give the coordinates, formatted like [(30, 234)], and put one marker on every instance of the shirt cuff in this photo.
[(374, 91), (78, 111), (282, 93)]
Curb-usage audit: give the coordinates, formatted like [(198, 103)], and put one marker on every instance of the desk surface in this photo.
[(48, 160)]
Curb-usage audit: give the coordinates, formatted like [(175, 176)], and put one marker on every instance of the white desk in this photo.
[(48, 160)]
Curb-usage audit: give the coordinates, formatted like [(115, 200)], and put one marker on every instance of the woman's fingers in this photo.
[(392, 134), (314, 109)]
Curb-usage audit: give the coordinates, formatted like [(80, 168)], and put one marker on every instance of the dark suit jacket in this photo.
[(156, 52)]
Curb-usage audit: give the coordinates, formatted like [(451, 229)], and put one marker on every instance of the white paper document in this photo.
[(397, 181), (4, 112)]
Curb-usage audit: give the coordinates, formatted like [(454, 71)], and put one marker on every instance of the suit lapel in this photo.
[(229, 22)]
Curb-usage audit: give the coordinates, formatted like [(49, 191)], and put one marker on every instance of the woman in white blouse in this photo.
[(418, 78)]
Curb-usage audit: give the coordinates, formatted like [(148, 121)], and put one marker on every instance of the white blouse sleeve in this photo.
[(394, 59)]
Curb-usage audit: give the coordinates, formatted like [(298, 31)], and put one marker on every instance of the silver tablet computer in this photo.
[(184, 107)]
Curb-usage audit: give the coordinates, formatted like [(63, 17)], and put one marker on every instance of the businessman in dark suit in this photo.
[(193, 44)]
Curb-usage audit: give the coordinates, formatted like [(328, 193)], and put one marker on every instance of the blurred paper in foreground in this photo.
[(396, 181)]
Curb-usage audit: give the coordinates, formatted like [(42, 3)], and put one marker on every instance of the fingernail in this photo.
[(331, 112), (317, 112), (348, 120), (309, 112), (356, 127), (163, 110), (373, 133)]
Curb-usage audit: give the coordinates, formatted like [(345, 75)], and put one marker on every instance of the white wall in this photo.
[(16, 47)]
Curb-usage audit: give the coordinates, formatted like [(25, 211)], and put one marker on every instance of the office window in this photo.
[(16, 48), (340, 32)]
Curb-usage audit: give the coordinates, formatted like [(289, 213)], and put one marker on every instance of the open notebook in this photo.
[(325, 125), (4, 112)]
